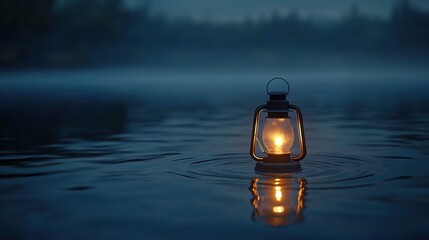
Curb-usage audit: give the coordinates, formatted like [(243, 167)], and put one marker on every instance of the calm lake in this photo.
[(145, 154)]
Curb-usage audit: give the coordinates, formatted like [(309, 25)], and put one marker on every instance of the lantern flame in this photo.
[(278, 143)]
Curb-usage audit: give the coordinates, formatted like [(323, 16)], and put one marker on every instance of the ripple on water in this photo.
[(320, 170)]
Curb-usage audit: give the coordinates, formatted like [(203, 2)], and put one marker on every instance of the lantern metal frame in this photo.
[(278, 107)]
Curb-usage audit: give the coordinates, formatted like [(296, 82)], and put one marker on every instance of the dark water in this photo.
[(129, 153)]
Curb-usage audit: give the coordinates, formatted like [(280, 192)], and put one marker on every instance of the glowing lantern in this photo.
[(277, 134)]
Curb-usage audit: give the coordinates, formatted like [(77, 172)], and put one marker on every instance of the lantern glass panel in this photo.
[(278, 135)]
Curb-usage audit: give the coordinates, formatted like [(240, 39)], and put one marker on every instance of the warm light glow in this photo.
[(278, 209), (278, 141), (279, 194), (278, 135)]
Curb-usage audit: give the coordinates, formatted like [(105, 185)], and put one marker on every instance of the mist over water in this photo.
[(108, 33), (147, 135)]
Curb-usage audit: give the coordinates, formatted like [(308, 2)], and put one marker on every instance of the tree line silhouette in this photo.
[(81, 32)]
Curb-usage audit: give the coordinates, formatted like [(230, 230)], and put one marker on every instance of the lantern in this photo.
[(276, 200), (277, 133)]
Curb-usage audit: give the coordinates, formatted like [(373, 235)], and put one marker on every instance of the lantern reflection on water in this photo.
[(276, 202)]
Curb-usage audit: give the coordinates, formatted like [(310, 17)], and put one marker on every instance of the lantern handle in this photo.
[(278, 78)]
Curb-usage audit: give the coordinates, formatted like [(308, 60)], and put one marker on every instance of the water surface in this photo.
[(140, 154)]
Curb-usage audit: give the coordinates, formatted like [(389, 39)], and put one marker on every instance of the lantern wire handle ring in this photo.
[(278, 78)]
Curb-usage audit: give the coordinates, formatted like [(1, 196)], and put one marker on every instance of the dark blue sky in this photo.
[(225, 10)]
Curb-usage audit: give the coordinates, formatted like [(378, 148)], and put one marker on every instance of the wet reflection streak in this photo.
[(300, 206)]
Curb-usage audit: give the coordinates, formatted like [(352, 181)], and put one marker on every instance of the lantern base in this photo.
[(277, 167)]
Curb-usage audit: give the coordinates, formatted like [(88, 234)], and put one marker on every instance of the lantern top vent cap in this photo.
[(277, 93), (279, 96)]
